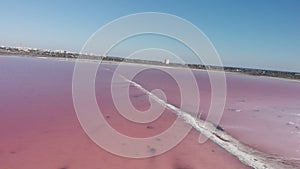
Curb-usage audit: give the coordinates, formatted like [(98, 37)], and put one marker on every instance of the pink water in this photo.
[(39, 127)]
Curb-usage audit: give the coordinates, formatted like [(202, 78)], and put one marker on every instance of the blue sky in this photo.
[(247, 33)]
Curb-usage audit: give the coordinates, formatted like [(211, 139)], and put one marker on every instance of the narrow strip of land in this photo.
[(93, 57)]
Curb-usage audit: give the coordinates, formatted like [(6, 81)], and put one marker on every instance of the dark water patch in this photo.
[(219, 127), (150, 127), (151, 150), (63, 168), (138, 95), (181, 166)]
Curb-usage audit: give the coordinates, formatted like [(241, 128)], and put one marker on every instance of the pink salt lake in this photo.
[(39, 127)]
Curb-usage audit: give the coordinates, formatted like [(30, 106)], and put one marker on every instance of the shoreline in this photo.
[(164, 66), (28, 52)]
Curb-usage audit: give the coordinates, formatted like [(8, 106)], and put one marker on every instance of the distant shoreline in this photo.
[(71, 55)]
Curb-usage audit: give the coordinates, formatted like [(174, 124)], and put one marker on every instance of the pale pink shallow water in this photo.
[(39, 128), (262, 112)]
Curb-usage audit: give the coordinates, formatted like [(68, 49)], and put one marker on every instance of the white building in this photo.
[(167, 61)]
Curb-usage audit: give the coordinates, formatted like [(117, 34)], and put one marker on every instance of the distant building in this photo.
[(167, 61)]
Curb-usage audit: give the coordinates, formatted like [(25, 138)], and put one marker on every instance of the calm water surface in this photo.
[(39, 127)]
